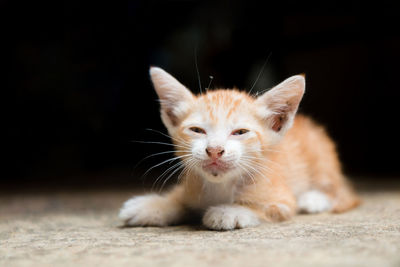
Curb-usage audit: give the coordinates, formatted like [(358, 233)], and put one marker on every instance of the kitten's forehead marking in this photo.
[(221, 104)]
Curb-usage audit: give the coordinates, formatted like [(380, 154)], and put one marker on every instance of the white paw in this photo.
[(150, 210), (313, 201), (228, 217)]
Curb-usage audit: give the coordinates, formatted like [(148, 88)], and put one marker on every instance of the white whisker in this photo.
[(180, 140), (248, 173), (166, 171), (160, 143), (169, 176), (165, 161), (253, 168), (160, 153)]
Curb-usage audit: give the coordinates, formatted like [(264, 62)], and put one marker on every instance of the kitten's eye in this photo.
[(197, 130), (240, 132)]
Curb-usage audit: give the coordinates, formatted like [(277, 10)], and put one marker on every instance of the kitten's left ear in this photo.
[(279, 105), (175, 98)]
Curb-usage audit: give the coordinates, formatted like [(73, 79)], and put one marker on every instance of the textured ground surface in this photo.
[(81, 229)]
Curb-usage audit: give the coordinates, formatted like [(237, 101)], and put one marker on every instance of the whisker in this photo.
[(273, 162), (180, 140), (169, 176), (166, 171), (175, 166), (209, 84), (260, 163), (247, 173), (165, 161), (253, 168), (261, 71), (265, 150), (159, 143), (271, 150), (249, 157), (189, 164), (197, 69), (160, 153)]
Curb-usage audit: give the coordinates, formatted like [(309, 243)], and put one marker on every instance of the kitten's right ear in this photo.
[(279, 105), (174, 97)]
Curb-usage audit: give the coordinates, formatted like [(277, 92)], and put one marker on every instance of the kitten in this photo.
[(247, 159)]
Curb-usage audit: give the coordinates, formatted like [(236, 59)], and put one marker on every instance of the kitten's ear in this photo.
[(279, 105), (175, 98)]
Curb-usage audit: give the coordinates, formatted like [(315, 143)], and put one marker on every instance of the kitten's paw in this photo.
[(150, 210), (313, 201), (229, 217), (278, 212)]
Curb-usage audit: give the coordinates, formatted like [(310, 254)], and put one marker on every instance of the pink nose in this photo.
[(215, 152)]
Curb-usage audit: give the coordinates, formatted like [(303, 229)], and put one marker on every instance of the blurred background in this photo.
[(77, 90)]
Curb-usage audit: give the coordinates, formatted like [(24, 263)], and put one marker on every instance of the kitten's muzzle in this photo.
[(216, 167)]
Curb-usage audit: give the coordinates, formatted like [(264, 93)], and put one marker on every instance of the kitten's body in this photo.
[(247, 159)]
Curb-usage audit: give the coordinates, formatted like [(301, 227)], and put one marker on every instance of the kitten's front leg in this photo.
[(153, 209), (229, 217), (254, 203), (270, 198)]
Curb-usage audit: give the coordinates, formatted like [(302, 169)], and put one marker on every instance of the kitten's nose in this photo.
[(215, 152)]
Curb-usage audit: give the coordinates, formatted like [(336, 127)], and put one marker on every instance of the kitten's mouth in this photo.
[(216, 167)]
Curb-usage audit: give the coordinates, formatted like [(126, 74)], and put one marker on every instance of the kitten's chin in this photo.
[(215, 175)]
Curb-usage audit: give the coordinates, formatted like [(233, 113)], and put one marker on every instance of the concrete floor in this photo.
[(82, 229)]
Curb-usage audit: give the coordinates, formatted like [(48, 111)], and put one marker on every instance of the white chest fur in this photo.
[(213, 194)]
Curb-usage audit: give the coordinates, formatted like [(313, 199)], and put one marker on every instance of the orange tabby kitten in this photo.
[(246, 159)]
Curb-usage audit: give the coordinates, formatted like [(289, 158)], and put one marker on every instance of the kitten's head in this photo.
[(224, 134)]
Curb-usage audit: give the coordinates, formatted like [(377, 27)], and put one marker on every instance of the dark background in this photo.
[(77, 89)]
